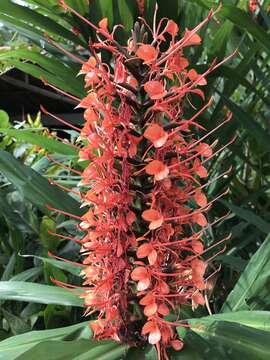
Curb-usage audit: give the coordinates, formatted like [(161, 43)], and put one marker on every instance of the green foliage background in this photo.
[(38, 317)]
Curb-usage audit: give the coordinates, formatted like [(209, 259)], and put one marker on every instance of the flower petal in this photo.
[(171, 28), (155, 89), (143, 284), (154, 336), (156, 135), (103, 24), (177, 345), (150, 309), (200, 198), (144, 250), (147, 53), (139, 273), (158, 169), (152, 257), (154, 217)]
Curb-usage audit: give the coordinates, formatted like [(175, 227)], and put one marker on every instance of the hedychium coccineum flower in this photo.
[(144, 186)]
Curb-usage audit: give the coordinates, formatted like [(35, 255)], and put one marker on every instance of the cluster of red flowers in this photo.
[(146, 205)]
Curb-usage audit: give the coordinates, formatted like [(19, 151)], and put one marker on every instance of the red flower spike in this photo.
[(143, 186), (204, 150), (253, 5)]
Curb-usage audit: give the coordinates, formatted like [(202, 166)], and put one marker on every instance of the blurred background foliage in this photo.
[(239, 293)]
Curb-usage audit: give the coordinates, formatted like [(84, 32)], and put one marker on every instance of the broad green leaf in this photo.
[(76, 350), (12, 347), (38, 293), (48, 240), (242, 20), (71, 268), (37, 21), (252, 289), (4, 119), (249, 124), (99, 9), (49, 63), (248, 216), (34, 187), (224, 336), (29, 274), (34, 34), (16, 324), (125, 13), (52, 79), (256, 319), (32, 137)]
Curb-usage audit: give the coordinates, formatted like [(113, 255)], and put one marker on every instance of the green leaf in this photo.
[(100, 9), (248, 216), (242, 20), (49, 63), (171, 11), (29, 274), (252, 289), (12, 347), (38, 293), (9, 268), (50, 144), (256, 319), (126, 15), (48, 240), (4, 119), (249, 124), (17, 325), (76, 350), (52, 79), (34, 187), (226, 336), (23, 14), (71, 268), (234, 262)]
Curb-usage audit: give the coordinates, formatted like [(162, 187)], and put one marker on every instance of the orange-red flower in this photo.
[(143, 277), (155, 89), (147, 53), (156, 134), (158, 169), (147, 250), (154, 217)]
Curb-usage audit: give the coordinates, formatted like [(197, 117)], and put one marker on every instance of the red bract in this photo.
[(146, 205)]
